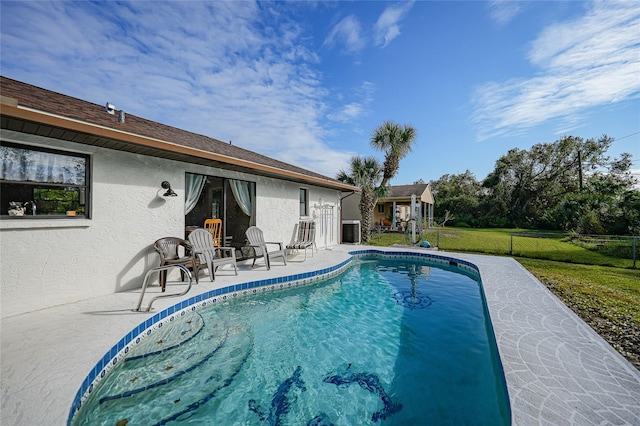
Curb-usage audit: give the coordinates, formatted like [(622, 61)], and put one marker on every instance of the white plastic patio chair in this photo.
[(259, 245), (202, 243)]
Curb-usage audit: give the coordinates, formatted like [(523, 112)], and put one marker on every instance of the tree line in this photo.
[(568, 185)]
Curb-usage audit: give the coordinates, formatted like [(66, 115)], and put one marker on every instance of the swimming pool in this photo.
[(389, 341)]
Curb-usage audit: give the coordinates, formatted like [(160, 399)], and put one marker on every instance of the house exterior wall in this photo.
[(49, 262), (279, 210), (378, 217), (350, 207), (404, 212)]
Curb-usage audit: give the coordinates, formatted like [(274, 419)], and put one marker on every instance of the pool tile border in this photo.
[(435, 258), (146, 328)]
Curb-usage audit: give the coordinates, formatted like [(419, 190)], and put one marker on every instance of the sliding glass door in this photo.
[(212, 197)]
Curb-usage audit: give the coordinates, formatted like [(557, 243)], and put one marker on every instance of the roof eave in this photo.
[(10, 108)]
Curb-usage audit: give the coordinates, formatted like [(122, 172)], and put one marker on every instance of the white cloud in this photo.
[(357, 108), (347, 113), (503, 11), (584, 63), (387, 27), (347, 32), (230, 70)]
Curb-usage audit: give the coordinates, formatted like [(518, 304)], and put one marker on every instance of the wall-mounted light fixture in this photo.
[(170, 192)]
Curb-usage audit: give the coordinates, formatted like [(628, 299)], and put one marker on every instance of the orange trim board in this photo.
[(106, 132)]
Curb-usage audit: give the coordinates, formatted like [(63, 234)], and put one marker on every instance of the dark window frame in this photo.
[(44, 189), (304, 202)]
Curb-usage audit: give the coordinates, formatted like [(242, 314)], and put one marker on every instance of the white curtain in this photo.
[(193, 188), (36, 166), (242, 193)]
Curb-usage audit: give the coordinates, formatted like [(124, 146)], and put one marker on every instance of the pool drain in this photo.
[(412, 300)]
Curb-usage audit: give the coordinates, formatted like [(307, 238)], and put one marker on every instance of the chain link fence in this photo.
[(605, 250)]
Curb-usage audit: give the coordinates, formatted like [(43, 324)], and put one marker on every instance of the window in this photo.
[(380, 208), (40, 182), (304, 202)]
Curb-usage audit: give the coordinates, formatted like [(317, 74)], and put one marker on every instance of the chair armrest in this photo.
[(230, 250), (262, 247)]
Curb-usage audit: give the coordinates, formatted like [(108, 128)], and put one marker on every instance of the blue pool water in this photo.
[(390, 341)]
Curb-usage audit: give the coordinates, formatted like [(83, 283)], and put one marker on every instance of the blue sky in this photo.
[(308, 82)]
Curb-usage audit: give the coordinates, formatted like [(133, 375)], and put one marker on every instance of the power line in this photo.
[(624, 137)]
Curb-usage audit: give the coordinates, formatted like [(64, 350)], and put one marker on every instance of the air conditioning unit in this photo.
[(351, 232)]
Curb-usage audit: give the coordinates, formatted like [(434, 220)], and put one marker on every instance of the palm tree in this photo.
[(367, 173), (396, 142)]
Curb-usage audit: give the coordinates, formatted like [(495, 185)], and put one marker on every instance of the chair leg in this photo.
[(163, 280), (196, 272)]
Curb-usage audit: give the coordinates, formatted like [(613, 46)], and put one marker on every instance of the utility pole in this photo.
[(580, 169)]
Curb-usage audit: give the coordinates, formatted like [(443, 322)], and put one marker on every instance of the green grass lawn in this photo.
[(602, 289), (555, 246)]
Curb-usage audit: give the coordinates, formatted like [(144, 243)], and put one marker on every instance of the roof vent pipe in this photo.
[(121, 116)]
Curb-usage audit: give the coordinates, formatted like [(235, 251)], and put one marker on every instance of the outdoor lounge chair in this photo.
[(202, 245), (259, 245), (169, 250), (306, 238)]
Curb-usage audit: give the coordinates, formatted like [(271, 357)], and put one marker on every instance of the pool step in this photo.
[(166, 367), (168, 338), (195, 377)]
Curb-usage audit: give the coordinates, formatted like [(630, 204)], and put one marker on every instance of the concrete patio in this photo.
[(558, 370)]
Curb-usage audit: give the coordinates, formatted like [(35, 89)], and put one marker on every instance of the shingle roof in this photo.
[(406, 191), (67, 107)]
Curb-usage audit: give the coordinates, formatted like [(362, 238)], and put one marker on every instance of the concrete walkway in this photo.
[(558, 370)]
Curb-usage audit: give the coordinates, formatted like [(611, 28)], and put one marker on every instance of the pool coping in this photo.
[(557, 369)]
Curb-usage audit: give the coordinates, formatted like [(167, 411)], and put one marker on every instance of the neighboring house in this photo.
[(399, 201), (94, 177), (396, 206)]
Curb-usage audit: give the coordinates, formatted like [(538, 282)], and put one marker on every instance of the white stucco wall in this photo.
[(47, 262)]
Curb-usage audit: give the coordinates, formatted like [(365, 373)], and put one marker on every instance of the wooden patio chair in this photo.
[(256, 240), (214, 226), (202, 244), (169, 249)]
